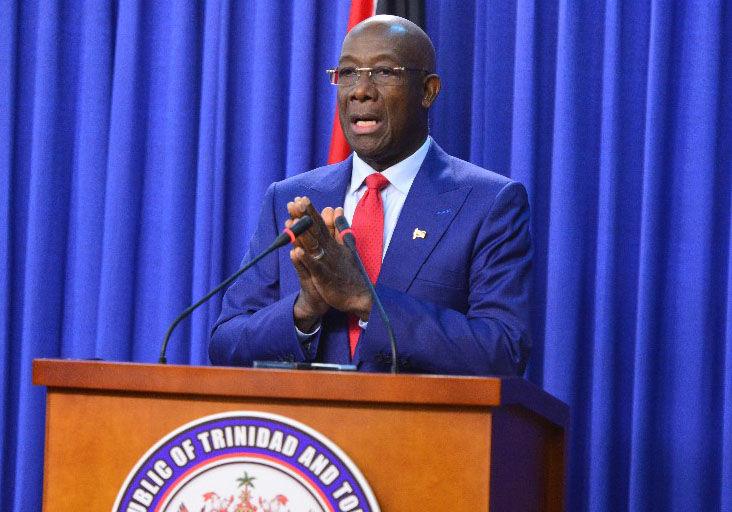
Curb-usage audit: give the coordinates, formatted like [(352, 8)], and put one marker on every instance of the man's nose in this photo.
[(364, 88)]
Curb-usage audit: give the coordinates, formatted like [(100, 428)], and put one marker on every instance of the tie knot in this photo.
[(376, 181)]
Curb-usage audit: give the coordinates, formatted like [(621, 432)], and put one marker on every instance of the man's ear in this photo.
[(432, 86)]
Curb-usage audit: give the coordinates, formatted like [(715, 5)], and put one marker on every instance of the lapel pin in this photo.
[(418, 233)]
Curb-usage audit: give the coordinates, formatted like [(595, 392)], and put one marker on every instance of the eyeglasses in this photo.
[(349, 76)]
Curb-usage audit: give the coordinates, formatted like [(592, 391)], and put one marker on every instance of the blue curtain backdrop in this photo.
[(137, 139)]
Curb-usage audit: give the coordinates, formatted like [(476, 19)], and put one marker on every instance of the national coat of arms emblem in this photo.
[(245, 462)]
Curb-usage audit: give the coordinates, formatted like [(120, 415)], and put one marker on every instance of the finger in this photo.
[(338, 212), (320, 232), (298, 240), (318, 236), (311, 264), (320, 229), (297, 254), (309, 239), (307, 290), (293, 208), (302, 203), (309, 242), (306, 207), (329, 220), (306, 257), (319, 263)]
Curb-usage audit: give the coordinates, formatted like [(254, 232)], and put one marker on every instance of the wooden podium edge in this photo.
[(230, 382)]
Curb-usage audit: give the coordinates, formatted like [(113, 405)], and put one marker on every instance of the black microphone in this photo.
[(287, 236), (346, 235)]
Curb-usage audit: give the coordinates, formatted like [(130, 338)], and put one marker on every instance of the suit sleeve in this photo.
[(256, 322), (492, 337)]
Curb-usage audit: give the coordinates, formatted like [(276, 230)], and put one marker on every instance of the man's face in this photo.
[(383, 124)]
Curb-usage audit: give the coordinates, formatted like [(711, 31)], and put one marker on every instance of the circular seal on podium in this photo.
[(245, 461)]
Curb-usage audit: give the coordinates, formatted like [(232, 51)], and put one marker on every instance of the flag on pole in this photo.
[(360, 10), (413, 10), (339, 148)]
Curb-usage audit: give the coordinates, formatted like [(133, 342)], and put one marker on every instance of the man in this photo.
[(456, 247)]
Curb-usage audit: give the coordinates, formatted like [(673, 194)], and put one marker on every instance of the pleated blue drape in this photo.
[(137, 139)]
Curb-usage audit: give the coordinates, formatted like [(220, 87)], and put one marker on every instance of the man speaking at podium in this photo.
[(446, 242)]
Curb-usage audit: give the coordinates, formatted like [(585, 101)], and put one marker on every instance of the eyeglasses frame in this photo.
[(359, 71)]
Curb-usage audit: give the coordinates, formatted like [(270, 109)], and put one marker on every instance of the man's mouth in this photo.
[(364, 125)]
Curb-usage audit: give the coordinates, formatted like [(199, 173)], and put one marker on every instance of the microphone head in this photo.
[(345, 233), (302, 224), (341, 223)]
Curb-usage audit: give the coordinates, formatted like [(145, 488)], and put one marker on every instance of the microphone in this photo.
[(346, 234), (287, 236)]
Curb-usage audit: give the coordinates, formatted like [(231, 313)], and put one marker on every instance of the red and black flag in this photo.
[(413, 10)]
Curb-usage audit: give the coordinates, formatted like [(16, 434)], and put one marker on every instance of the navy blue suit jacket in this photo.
[(458, 299)]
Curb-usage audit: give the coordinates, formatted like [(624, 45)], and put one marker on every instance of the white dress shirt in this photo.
[(401, 176)]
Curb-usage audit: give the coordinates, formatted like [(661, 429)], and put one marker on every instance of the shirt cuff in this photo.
[(304, 337)]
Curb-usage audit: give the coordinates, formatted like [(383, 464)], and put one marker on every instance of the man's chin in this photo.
[(377, 160), (367, 153), (365, 147)]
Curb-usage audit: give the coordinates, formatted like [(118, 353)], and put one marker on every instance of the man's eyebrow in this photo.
[(377, 57)]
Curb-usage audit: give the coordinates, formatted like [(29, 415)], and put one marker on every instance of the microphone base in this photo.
[(294, 365)]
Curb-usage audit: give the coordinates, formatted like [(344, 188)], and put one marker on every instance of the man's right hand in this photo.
[(309, 306)]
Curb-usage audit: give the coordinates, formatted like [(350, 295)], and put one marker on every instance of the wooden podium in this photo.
[(424, 443)]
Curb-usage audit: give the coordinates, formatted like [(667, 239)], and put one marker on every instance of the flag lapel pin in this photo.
[(418, 233)]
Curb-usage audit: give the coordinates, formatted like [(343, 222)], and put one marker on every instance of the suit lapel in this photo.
[(432, 203), (331, 186)]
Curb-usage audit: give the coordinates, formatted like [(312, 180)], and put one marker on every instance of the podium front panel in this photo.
[(422, 443)]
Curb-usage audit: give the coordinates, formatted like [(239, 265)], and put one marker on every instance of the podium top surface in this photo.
[(422, 390)]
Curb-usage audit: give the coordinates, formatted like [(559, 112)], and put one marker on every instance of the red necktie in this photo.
[(368, 228)]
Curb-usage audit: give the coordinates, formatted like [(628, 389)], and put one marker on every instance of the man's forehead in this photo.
[(370, 55), (378, 28), (381, 42)]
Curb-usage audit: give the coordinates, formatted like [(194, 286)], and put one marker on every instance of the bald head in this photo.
[(410, 41)]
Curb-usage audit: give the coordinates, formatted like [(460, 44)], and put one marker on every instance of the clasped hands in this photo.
[(328, 274)]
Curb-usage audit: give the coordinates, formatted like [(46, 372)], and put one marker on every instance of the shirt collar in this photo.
[(401, 174)]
